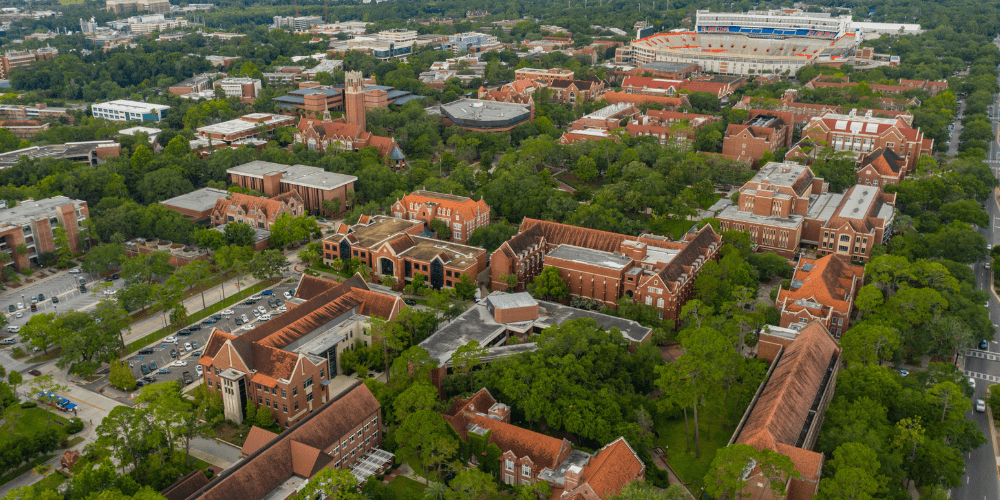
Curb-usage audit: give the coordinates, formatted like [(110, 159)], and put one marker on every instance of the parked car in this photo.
[(196, 354), (34, 308), (41, 297), (8, 341), (265, 317), (115, 276), (194, 344), (149, 379), (271, 304), (179, 362), (199, 370), (256, 313), (139, 384), (410, 302), (83, 288), (980, 406), (903, 372), (20, 305), (238, 321), (287, 295), (972, 381), (208, 322), (228, 312), (255, 297), (983, 345), (194, 328), (245, 318), (174, 354), (249, 302), (187, 346), (75, 270), (20, 314), (267, 292), (13, 329), (144, 368), (170, 340), (34, 300), (247, 327), (152, 365), (261, 309), (146, 350), (184, 333), (186, 376), (55, 299), (217, 317), (11, 308), (35, 373), (163, 371)]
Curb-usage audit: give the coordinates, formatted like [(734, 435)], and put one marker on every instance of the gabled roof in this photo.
[(695, 253), (185, 486), (611, 468), (467, 207), (828, 281), (269, 206), (256, 439), (863, 208), (885, 161), (668, 102), (554, 233), (544, 451), (784, 406)]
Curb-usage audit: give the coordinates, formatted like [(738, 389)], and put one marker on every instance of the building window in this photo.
[(283, 394), (296, 406), (308, 383), (284, 408), (210, 383), (309, 397), (510, 465), (268, 401), (845, 237), (295, 391), (525, 471)]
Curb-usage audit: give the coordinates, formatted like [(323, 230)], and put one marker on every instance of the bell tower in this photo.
[(354, 99)]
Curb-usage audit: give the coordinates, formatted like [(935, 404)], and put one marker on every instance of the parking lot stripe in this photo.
[(67, 396)]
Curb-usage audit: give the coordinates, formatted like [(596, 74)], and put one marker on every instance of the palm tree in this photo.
[(903, 224), (436, 491)]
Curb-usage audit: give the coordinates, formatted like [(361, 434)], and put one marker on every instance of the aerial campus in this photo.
[(438, 250)]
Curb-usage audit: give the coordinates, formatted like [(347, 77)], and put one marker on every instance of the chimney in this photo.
[(500, 412), (572, 479)]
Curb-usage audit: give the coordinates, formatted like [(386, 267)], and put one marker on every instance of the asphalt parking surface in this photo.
[(161, 350)]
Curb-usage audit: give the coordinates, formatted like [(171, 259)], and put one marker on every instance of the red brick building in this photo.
[(543, 75), (861, 134), (257, 211), (336, 135), (24, 129), (197, 205), (313, 184), (528, 456), (402, 248), (16, 59), (345, 433), (259, 366), (822, 290), (881, 168), (607, 266), (669, 103), (862, 219), (789, 412), (33, 223), (667, 125), (462, 215), (930, 86), (762, 132), (570, 91)]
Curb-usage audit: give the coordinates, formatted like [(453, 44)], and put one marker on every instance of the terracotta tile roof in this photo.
[(829, 282), (884, 161), (215, 342), (185, 486), (480, 401), (296, 451), (544, 451), (400, 244), (256, 439), (611, 468), (563, 234), (270, 206), (384, 145), (668, 102), (467, 207), (806, 462), (687, 260), (783, 408), (651, 83), (311, 286)]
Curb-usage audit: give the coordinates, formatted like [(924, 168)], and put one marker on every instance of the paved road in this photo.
[(982, 481)]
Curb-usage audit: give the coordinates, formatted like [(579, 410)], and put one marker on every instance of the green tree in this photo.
[(869, 344), (425, 439), (239, 234), (441, 229), (267, 264), (855, 474), (265, 417), (492, 236), (465, 287), (331, 207), (641, 490), (335, 484), (726, 478), (472, 484), (549, 285), (312, 253), (121, 376), (466, 358)]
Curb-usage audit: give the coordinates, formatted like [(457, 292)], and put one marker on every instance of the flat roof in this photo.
[(667, 66), (590, 257), (30, 211), (300, 175), (478, 324), (775, 173), (733, 213), (132, 105), (512, 300), (475, 109), (258, 233), (241, 125), (199, 200), (823, 206)]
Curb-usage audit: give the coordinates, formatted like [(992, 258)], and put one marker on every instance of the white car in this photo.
[(199, 370), (187, 346), (281, 309), (255, 297), (110, 292), (227, 312), (248, 327), (972, 381), (265, 317), (261, 309), (980, 405), (287, 295), (13, 329), (19, 314), (245, 318), (20, 305), (179, 363), (74, 271), (170, 340), (256, 314)]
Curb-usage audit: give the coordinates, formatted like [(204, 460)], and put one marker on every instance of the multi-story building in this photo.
[(123, 111), (197, 205), (668, 126), (860, 135), (668, 103), (881, 168), (24, 129), (528, 456), (543, 75), (345, 433), (126, 6), (472, 42), (37, 112), (91, 153), (930, 86), (486, 116), (246, 89), (397, 35), (403, 248), (461, 214), (257, 211), (570, 91), (821, 290), (15, 59), (762, 132), (607, 266), (33, 224), (286, 363), (296, 23), (313, 184), (151, 26), (195, 84), (789, 412), (862, 219), (247, 126)]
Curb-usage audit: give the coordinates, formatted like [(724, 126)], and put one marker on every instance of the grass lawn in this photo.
[(51, 482), (403, 483), (715, 433), (24, 468), (34, 420), (677, 227)]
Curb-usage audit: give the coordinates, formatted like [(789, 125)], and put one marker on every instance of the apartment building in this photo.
[(33, 223), (404, 248), (821, 290), (607, 266), (195, 84), (397, 35), (461, 214), (24, 129), (126, 6)]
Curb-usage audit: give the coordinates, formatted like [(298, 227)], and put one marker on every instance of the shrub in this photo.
[(75, 425), (28, 404)]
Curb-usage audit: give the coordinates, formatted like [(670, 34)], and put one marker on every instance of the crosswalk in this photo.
[(982, 376), (975, 353)]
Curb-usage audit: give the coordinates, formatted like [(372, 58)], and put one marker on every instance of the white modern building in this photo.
[(123, 111), (296, 23), (397, 35), (463, 42)]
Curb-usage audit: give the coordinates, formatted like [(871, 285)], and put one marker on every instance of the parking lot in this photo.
[(161, 351), (65, 287)]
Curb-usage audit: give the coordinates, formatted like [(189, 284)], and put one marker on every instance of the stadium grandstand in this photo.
[(774, 23)]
